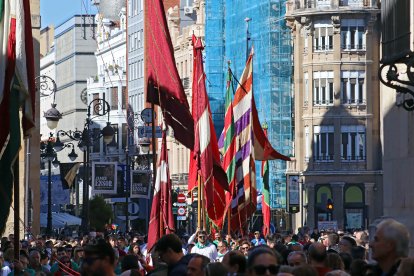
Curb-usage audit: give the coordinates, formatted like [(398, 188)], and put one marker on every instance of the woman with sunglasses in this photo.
[(262, 260)]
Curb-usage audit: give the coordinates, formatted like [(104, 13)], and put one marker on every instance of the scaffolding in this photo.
[(229, 25)]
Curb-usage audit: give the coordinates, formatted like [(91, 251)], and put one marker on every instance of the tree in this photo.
[(100, 213)]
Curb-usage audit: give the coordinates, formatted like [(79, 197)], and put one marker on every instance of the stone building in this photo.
[(337, 153)]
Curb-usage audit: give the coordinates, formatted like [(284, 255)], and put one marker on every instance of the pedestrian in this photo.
[(235, 262), (317, 256), (389, 245), (257, 239), (204, 247), (197, 264), (262, 260), (99, 259), (169, 250)]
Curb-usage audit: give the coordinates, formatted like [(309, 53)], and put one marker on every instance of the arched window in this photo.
[(353, 194), (354, 214), (323, 194)]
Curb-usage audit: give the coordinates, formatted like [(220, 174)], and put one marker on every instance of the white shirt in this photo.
[(209, 251)]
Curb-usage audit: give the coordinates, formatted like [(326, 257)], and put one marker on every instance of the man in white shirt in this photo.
[(204, 247)]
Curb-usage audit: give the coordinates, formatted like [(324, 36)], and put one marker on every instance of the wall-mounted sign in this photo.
[(140, 184), (104, 177)]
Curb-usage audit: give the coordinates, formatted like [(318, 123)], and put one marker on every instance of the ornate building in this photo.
[(337, 153)]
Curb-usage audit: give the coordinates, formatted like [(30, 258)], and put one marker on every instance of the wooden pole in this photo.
[(16, 209), (203, 206), (229, 220), (199, 210)]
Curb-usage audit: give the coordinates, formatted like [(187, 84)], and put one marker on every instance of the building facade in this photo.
[(337, 153), (397, 128)]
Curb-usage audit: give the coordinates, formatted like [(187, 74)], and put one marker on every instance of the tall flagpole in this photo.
[(199, 201)]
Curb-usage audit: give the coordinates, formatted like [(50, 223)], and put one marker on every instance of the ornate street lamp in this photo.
[(85, 139), (47, 87), (48, 153)]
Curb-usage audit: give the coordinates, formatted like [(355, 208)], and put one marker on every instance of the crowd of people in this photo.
[(307, 252)]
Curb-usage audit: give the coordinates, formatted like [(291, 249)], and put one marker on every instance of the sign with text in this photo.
[(140, 184), (104, 177), (328, 225), (294, 190)]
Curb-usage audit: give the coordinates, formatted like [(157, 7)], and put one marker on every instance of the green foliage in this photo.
[(100, 213)]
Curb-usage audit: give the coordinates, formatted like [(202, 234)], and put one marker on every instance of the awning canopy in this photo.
[(60, 220)]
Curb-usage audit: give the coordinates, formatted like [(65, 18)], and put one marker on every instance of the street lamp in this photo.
[(48, 87), (85, 139), (48, 153)]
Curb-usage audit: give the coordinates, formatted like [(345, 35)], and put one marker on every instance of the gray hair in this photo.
[(398, 233)]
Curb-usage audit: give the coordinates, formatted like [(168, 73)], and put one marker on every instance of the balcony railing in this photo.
[(323, 158)]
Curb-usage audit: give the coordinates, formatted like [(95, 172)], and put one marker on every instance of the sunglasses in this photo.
[(201, 236), (261, 269)]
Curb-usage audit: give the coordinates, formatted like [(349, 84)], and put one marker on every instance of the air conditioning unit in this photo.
[(188, 10)]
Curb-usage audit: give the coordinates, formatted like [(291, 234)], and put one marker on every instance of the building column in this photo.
[(310, 211), (369, 201), (338, 200)]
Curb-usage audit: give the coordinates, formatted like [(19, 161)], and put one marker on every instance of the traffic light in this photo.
[(329, 205)]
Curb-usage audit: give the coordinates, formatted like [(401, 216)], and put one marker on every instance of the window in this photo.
[(353, 143), (323, 37), (323, 143), (114, 98), (353, 87), (353, 34), (323, 93)]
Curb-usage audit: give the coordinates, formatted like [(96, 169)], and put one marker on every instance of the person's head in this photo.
[(346, 244), (317, 253), (215, 269), (122, 243), (296, 258), (391, 241), (78, 253), (333, 239), (202, 236), (129, 262), (64, 262), (134, 249), (304, 270), (113, 241), (257, 234), (262, 260), (222, 247), (228, 238), (217, 236), (244, 247), (44, 258), (235, 262), (60, 252), (271, 240), (196, 265), (337, 272), (169, 249), (99, 259), (34, 258), (69, 250), (334, 261), (24, 261)]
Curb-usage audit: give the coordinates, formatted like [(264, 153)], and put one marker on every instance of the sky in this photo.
[(56, 11)]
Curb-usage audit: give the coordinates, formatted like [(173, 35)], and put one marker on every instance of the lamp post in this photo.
[(85, 138), (48, 153)]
